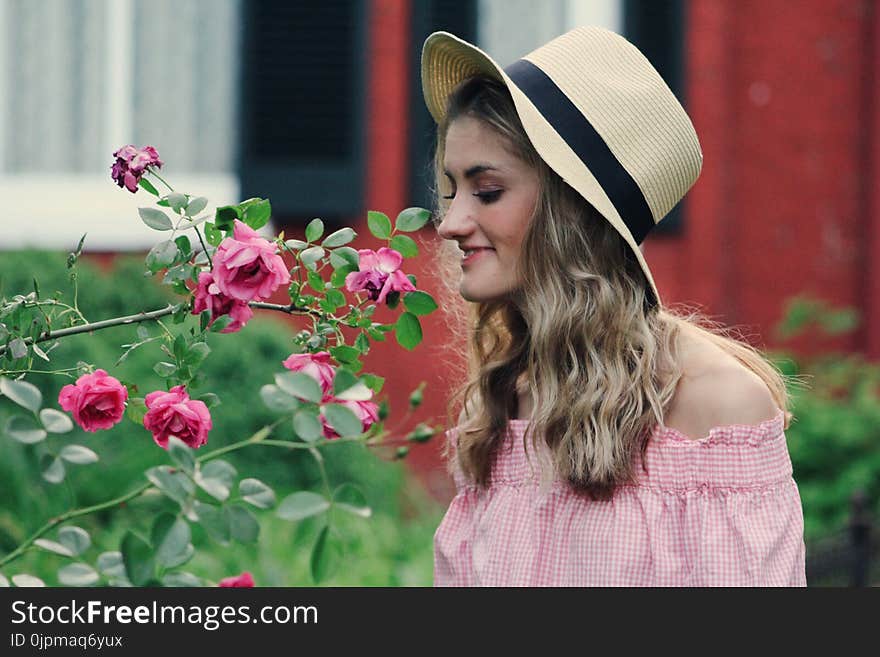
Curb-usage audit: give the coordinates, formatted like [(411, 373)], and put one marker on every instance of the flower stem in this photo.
[(153, 173)]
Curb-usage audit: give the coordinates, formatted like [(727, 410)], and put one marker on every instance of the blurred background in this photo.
[(317, 106)]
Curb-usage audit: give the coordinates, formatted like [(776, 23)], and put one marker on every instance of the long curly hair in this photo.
[(582, 333)]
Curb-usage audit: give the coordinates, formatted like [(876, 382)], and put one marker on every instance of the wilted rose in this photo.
[(96, 400), (209, 297), (246, 266), (379, 274), (173, 413), (131, 163)]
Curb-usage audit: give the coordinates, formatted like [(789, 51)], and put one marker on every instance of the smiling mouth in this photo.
[(472, 254)]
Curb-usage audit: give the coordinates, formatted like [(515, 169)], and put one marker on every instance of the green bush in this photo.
[(383, 550), (835, 439)]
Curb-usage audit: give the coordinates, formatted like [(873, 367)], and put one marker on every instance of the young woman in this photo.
[(603, 439)]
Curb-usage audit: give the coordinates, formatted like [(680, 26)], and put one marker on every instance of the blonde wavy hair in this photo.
[(581, 334)]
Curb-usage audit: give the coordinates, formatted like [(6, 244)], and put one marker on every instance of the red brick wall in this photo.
[(783, 98)]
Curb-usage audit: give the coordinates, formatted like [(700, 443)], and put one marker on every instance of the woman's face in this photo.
[(492, 197)]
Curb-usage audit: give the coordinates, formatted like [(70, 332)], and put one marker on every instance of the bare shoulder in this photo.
[(717, 390)]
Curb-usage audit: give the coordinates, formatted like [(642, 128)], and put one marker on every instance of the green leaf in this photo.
[(137, 555), (216, 478), (162, 255), (213, 234), (110, 564), (351, 499), (165, 369), (277, 400), (315, 281), (256, 215), (358, 392), (183, 245), (244, 526), (412, 219), (345, 354), (181, 454), (77, 574), (362, 343), (307, 425), (339, 238), (335, 298), (215, 520), (299, 385), (196, 205), (337, 278), (342, 419), (419, 303), (182, 557), (52, 469), (170, 538), (18, 348), (295, 245), (147, 185), (343, 256), (23, 580), (155, 219), (221, 323), (136, 410), (177, 201), (255, 492), (78, 454), (209, 399), (52, 546), (55, 421), (24, 429), (173, 484), (405, 245), (74, 538), (22, 393), (326, 555), (314, 230), (408, 331), (181, 579), (343, 380), (379, 224), (310, 256), (300, 505), (373, 382), (196, 354), (225, 216)]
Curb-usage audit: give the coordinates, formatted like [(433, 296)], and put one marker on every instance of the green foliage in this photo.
[(834, 440), (126, 546)]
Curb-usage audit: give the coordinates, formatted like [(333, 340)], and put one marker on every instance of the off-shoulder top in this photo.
[(723, 510)]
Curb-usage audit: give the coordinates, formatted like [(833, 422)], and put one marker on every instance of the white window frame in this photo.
[(49, 211)]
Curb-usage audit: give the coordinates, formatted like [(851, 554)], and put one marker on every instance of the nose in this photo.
[(457, 223)]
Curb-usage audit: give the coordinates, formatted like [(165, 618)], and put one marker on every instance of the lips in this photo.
[(472, 254)]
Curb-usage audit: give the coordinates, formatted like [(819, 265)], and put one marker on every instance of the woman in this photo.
[(603, 439)]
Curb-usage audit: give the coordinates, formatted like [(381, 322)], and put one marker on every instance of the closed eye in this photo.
[(489, 197)]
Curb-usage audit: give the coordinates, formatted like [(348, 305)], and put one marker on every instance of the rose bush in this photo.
[(321, 391)]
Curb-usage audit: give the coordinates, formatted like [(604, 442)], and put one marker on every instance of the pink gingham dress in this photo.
[(723, 510)]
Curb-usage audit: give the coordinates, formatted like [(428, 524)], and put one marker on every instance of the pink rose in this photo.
[(173, 413), (246, 266), (208, 296), (379, 274), (131, 163), (315, 365), (97, 400), (366, 411), (243, 581)]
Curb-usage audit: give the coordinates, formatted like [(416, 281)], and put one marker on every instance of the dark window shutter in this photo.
[(459, 18), (303, 106), (658, 30)]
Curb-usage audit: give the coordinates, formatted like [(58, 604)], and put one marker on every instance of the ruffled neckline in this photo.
[(726, 434)]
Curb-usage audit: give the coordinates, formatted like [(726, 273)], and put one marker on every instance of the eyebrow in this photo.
[(473, 171)]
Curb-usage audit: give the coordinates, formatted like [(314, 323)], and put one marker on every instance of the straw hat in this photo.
[(597, 112)]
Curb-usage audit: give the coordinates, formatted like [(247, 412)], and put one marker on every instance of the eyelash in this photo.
[(485, 197)]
